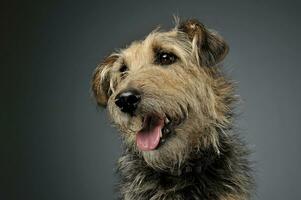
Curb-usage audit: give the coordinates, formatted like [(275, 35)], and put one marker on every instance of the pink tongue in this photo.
[(148, 140)]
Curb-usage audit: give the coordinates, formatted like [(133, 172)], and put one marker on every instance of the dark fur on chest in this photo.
[(207, 175)]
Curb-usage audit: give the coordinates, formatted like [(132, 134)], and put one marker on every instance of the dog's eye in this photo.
[(165, 58), (123, 68)]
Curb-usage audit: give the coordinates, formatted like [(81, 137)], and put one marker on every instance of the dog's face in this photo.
[(165, 92)]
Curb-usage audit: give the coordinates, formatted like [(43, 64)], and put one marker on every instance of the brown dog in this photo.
[(174, 108)]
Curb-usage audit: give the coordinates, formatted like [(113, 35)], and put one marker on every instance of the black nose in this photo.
[(128, 101)]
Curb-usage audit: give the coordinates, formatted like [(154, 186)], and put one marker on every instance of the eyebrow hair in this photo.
[(158, 49)]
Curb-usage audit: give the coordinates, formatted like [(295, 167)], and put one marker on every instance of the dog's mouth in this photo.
[(155, 132)]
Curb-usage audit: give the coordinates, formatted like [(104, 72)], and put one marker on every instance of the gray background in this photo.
[(55, 143)]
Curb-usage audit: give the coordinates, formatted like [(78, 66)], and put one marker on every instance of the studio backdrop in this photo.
[(57, 144)]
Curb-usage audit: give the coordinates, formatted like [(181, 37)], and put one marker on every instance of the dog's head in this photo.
[(166, 94)]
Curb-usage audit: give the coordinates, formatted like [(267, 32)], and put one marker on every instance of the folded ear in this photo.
[(211, 47), (101, 80)]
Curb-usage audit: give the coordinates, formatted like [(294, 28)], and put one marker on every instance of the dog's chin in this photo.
[(170, 155), (158, 138)]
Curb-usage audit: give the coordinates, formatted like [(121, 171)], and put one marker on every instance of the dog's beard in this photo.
[(171, 155), (174, 146)]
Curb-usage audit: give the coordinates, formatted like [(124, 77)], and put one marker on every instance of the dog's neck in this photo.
[(198, 164), (205, 168)]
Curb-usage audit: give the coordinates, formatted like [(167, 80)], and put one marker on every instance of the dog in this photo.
[(173, 104)]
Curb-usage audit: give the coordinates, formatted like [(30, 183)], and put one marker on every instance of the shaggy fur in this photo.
[(202, 158)]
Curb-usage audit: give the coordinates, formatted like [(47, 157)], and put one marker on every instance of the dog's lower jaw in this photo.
[(206, 176)]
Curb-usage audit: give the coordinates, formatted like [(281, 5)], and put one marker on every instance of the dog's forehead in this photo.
[(136, 54), (152, 40), (140, 52)]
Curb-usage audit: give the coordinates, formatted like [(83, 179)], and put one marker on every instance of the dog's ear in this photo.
[(211, 47), (101, 80)]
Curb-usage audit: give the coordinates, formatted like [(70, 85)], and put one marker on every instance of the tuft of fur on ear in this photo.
[(212, 48), (101, 80)]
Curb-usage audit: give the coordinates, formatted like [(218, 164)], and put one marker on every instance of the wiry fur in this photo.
[(204, 159)]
